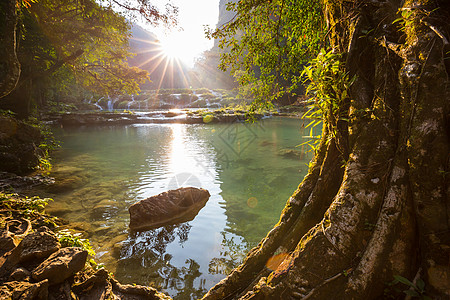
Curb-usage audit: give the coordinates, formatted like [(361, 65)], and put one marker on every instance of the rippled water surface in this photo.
[(249, 170)]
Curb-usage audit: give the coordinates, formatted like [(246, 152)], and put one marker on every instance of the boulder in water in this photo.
[(174, 206)]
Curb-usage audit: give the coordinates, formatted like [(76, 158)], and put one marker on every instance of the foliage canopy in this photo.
[(65, 48), (269, 42), (86, 44)]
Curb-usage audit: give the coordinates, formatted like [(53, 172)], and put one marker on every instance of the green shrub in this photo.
[(69, 239), (15, 202)]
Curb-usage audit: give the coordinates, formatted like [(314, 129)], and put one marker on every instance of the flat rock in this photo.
[(171, 207), (61, 265), (127, 291)]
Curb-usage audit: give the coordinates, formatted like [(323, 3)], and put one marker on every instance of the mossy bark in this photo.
[(350, 227)]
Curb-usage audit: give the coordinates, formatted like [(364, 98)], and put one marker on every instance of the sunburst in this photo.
[(168, 55)]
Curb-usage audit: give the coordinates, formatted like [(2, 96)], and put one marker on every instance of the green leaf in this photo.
[(403, 280), (420, 285)]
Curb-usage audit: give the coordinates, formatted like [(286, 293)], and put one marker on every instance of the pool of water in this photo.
[(249, 170)]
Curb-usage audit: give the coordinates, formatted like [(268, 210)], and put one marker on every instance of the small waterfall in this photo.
[(98, 105), (110, 104), (218, 95)]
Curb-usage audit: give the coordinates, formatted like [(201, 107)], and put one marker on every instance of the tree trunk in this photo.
[(381, 208), (9, 63)]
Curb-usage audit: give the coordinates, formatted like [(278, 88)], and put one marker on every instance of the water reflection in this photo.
[(148, 250), (231, 255)]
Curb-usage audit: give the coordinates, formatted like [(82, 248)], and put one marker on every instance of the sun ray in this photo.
[(154, 42), (159, 55), (163, 75), (159, 50), (185, 81)]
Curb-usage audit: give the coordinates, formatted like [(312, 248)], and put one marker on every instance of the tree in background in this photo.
[(371, 218), (267, 44), (60, 46)]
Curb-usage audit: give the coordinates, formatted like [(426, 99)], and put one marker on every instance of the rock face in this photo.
[(174, 206)]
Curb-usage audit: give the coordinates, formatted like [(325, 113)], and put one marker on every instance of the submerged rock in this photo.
[(174, 206), (13, 182), (290, 153), (128, 291)]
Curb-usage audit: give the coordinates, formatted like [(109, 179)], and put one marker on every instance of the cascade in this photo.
[(110, 103), (98, 105)]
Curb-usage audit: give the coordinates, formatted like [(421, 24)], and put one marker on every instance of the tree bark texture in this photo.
[(9, 62), (381, 208)]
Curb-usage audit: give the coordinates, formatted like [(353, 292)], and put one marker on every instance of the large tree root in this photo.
[(347, 231)]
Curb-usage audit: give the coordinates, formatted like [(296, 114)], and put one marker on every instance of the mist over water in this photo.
[(249, 170)]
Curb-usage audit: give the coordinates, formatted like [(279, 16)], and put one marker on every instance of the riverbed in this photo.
[(250, 171)]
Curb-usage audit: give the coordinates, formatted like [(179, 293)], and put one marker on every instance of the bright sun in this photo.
[(178, 46)]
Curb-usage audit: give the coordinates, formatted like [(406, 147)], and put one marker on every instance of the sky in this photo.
[(191, 41)]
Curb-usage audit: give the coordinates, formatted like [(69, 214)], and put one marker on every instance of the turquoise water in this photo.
[(249, 170)]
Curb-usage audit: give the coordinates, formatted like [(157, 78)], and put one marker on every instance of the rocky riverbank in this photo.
[(159, 117), (39, 261), (184, 116)]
